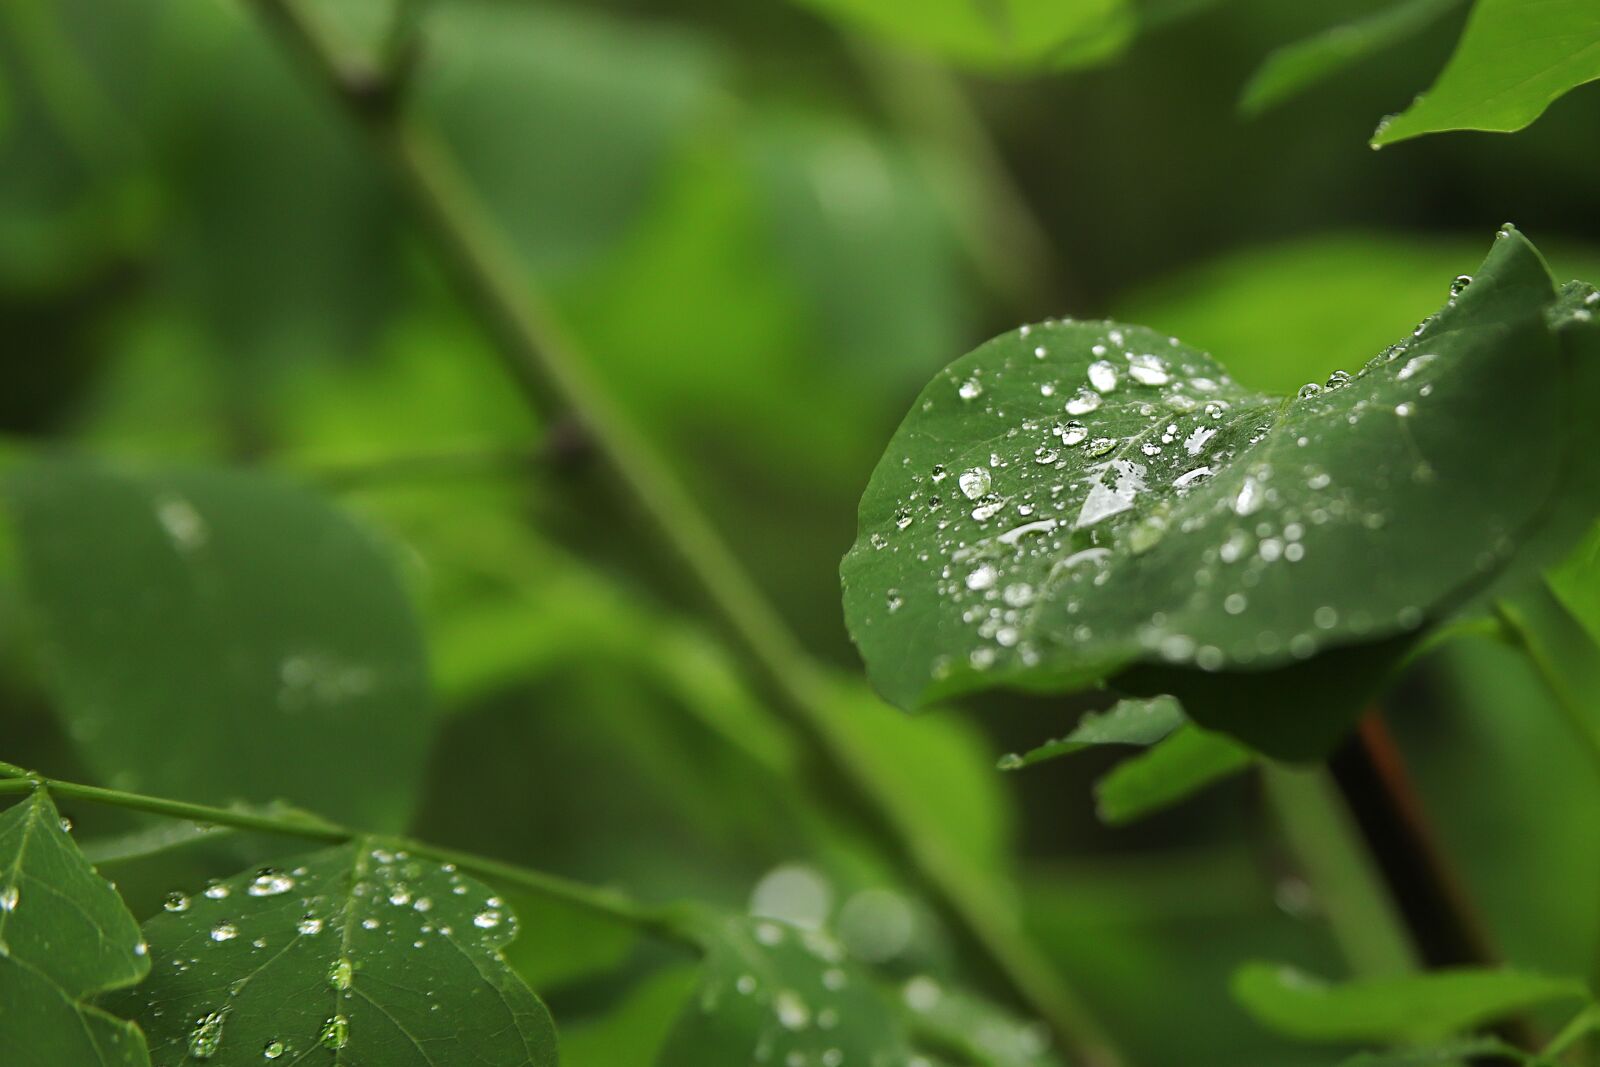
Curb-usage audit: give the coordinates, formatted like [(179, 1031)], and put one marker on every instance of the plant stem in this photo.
[(1330, 852), (1521, 637), (1372, 774), (544, 364), (606, 902)]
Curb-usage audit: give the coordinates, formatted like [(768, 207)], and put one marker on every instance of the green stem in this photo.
[(608, 903), (1328, 847), (1522, 638), (545, 364)]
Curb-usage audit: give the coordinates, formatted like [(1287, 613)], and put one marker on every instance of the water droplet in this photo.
[(335, 1033), (1103, 376), (1045, 456), (1101, 445), (1010, 761), (792, 1012), (988, 508), (1459, 285), (1072, 433), (1235, 603), (1308, 390), (274, 1049), (902, 518), (217, 891), (1148, 369), (982, 577), (206, 1037), (922, 994), (341, 972), (270, 884), (1083, 402), (1338, 379), (1251, 497), (1404, 410), (970, 389), (894, 601), (1415, 364), (10, 896), (746, 984), (975, 482), (487, 919), (224, 931), (176, 902), (309, 925)]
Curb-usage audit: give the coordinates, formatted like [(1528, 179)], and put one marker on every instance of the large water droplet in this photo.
[(206, 1037), (335, 1033), (974, 482), (1102, 375)]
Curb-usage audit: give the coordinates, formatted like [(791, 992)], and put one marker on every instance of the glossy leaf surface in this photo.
[(356, 954), (65, 936), (1073, 498), (1514, 59)]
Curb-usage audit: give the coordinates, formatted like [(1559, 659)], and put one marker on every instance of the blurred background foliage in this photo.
[(767, 229)]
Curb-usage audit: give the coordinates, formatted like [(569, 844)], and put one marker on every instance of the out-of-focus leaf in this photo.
[(571, 943), (1513, 61), (941, 788), (1443, 1054), (1293, 68), (1576, 583), (353, 954), (996, 34), (1131, 721), (65, 936), (564, 120), (770, 992), (1416, 1007), (1074, 498), (632, 1031), (1176, 768), (217, 635)]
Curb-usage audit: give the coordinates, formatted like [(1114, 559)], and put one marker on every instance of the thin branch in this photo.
[(601, 901), (547, 366)]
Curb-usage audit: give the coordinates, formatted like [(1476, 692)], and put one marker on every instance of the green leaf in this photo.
[(1174, 769), (1444, 1054), (65, 936), (1408, 1007), (1131, 721), (1514, 59), (772, 993), (356, 954), (217, 635), (996, 34), (631, 1031), (1074, 498), (1291, 69), (1576, 583)]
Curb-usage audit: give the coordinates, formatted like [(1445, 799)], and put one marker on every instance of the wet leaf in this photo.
[(1417, 1006), (356, 954), (65, 936), (1514, 60), (1130, 721), (773, 993), (1074, 498), (970, 1029), (218, 635)]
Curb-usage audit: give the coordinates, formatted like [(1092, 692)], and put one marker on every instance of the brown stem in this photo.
[(1431, 896)]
